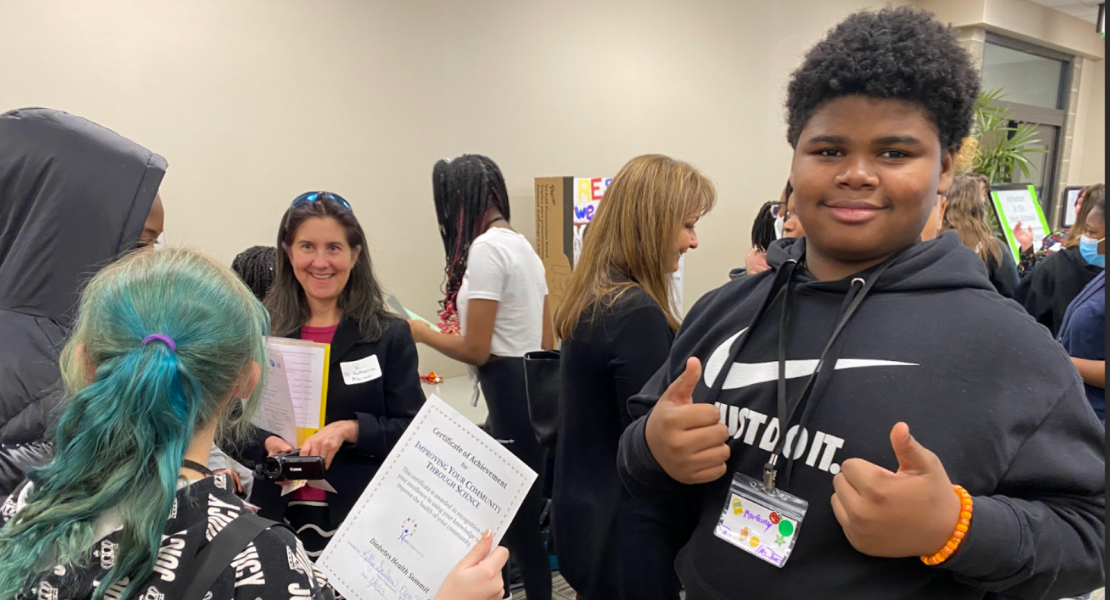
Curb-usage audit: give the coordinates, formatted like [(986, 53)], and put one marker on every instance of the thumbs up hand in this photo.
[(909, 513), (688, 440)]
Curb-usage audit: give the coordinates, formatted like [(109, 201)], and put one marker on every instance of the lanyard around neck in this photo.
[(782, 284), (786, 409)]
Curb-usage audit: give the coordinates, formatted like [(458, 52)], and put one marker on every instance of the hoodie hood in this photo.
[(73, 196), (938, 264)]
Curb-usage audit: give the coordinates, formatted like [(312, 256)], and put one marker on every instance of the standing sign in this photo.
[(1018, 204)]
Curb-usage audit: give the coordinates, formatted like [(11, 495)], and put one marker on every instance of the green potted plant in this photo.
[(1002, 150)]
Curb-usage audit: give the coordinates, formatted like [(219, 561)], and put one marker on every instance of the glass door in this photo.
[(1042, 166)]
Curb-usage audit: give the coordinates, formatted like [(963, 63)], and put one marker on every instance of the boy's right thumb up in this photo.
[(681, 390)]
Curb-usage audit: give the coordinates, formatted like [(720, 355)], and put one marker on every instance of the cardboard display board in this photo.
[(564, 207), (1071, 194), (1018, 203)]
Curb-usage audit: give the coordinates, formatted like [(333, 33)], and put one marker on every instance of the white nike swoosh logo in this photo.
[(745, 374)]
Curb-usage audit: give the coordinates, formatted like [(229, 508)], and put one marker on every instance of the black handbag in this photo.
[(542, 382)]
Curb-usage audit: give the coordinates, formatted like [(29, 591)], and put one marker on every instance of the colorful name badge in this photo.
[(761, 522)]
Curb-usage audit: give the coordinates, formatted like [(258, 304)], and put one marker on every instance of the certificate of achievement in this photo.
[(444, 483)]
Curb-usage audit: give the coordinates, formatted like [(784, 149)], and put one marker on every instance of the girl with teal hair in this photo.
[(165, 343)]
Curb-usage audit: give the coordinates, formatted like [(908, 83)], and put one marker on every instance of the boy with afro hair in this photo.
[(796, 390)]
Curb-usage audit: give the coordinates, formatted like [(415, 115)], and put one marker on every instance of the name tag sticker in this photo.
[(361, 371), (761, 522)]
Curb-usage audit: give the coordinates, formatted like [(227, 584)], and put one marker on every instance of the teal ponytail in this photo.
[(132, 410)]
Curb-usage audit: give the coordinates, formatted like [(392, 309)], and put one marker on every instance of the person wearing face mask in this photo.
[(1057, 280), (324, 290), (75, 197), (1053, 242)]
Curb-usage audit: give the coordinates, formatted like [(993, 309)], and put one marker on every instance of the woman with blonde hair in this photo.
[(964, 215), (616, 324)]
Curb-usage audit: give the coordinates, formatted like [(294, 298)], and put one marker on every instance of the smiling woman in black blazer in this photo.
[(325, 291)]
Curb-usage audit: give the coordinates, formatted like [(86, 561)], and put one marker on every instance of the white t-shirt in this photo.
[(502, 266)]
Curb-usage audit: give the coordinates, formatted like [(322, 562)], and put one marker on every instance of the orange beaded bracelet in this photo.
[(961, 529)]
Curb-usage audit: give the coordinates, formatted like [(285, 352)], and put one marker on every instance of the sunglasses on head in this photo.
[(308, 197)]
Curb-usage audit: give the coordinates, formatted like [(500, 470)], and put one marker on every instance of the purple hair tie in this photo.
[(162, 338)]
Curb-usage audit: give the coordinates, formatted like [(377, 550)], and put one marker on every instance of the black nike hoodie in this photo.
[(979, 382)]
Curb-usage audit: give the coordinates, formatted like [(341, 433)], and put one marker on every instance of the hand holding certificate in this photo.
[(442, 486)]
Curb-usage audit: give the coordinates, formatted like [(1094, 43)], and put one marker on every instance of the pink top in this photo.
[(320, 335)]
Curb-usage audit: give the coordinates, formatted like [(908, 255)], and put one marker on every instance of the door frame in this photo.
[(1040, 115)]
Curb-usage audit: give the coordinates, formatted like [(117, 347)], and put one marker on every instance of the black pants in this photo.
[(644, 554), (502, 382)]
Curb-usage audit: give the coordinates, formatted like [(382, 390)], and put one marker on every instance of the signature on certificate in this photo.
[(381, 567), (384, 581)]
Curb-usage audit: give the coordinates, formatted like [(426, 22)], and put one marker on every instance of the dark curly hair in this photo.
[(255, 266), (897, 53)]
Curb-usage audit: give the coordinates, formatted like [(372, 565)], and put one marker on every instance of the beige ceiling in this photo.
[(1083, 9)]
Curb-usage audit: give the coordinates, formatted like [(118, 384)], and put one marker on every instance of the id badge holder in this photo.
[(761, 522)]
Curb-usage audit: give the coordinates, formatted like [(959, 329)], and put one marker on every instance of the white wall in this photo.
[(1089, 144), (254, 101)]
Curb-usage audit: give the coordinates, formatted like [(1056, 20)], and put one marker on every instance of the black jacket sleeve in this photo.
[(641, 341), (1004, 276), (637, 467), (1035, 292), (377, 434), (1042, 534)]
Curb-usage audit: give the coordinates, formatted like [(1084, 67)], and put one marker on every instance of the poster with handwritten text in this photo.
[(1020, 205), (587, 197)]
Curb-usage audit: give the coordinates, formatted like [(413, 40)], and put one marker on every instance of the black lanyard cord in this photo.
[(195, 466), (785, 409), (782, 278)]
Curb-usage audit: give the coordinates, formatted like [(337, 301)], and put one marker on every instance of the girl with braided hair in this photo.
[(255, 266), (494, 311)]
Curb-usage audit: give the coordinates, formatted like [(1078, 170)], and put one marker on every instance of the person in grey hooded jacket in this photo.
[(73, 197)]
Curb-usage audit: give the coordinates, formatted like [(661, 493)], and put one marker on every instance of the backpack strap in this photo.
[(214, 558)]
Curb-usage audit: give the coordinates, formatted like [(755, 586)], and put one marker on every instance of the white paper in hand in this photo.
[(275, 411), (444, 483), (306, 368)]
